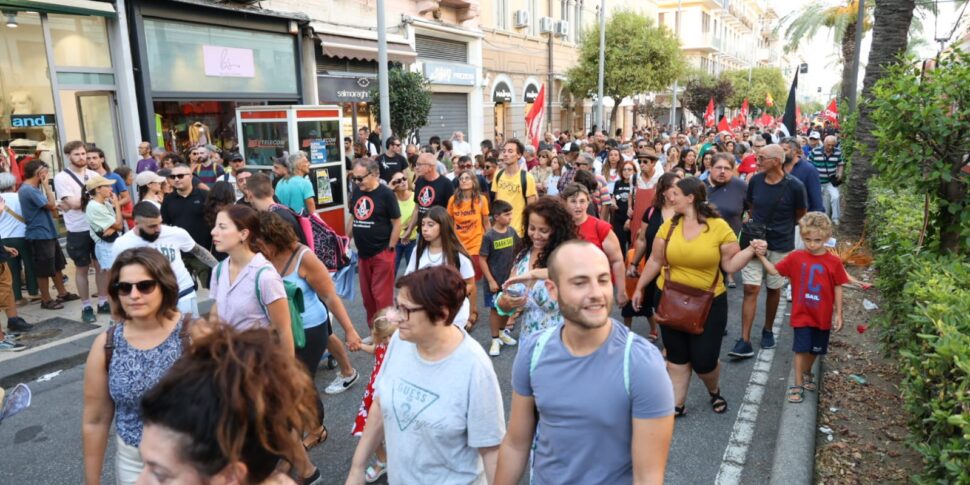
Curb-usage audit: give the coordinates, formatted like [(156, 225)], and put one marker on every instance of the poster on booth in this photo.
[(324, 188), (318, 151), (264, 142)]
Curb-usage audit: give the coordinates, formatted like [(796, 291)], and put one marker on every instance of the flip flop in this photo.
[(796, 394), (809, 382)]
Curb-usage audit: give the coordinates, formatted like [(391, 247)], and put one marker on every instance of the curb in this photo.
[(794, 460), (58, 356)]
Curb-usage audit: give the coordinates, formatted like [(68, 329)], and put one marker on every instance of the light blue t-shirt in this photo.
[(293, 192), (33, 203), (585, 414)]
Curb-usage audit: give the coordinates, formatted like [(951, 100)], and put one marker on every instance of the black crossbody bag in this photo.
[(752, 229)]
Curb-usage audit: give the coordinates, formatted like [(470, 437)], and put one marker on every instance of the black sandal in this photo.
[(718, 404), (680, 411), (316, 437)]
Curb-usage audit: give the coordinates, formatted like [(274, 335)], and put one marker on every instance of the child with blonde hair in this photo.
[(384, 327), (816, 277)]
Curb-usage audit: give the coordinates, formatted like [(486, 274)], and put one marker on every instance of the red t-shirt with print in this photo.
[(813, 281)]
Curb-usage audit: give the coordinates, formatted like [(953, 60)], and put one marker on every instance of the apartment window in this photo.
[(533, 17), (662, 18), (578, 22), (705, 22), (502, 14), (677, 23)]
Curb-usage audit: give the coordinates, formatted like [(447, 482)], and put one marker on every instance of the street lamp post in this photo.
[(383, 88), (673, 102), (599, 90)]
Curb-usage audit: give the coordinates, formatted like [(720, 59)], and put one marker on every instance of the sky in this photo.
[(821, 54)]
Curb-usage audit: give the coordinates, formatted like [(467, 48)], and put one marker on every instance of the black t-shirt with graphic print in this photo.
[(429, 194), (373, 212)]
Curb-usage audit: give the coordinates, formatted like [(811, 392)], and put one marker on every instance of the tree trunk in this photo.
[(890, 32), (848, 57), (616, 107)]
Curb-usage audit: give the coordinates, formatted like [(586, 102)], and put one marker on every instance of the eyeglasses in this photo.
[(358, 180), (178, 176), (404, 311), (397, 181), (144, 287)]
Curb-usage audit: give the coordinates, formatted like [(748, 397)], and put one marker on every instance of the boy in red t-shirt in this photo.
[(816, 278)]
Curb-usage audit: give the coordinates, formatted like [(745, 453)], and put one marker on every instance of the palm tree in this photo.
[(802, 25), (893, 19)]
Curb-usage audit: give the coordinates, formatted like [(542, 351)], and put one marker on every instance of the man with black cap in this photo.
[(572, 151), (236, 163)]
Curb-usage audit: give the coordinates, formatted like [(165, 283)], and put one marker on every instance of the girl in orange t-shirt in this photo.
[(469, 209)]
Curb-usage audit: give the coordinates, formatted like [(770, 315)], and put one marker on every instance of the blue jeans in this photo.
[(403, 251)]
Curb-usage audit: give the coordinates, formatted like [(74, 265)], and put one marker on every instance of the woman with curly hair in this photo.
[(549, 224), (211, 419)]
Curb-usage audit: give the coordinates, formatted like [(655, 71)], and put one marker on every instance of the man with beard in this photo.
[(726, 191), (171, 242), (583, 440)]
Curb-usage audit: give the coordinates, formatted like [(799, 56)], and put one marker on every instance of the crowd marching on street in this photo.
[(657, 224)]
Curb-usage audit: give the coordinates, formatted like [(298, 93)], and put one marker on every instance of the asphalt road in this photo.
[(42, 445)]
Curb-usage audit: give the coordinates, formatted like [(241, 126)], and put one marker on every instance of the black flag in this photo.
[(789, 120)]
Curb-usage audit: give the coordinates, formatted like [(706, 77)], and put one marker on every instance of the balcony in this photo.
[(702, 42)]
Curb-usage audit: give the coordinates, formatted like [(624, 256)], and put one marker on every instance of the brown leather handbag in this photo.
[(682, 307)]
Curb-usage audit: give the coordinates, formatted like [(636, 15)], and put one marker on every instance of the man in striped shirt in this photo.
[(828, 161)]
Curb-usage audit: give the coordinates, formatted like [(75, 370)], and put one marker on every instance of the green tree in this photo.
[(922, 132), (640, 57), (764, 81), (410, 101), (700, 87), (810, 107)]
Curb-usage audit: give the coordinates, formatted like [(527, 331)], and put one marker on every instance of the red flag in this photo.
[(723, 125), (744, 110), (738, 122), (766, 119), (533, 120), (831, 113), (709, 114), (798, 113)]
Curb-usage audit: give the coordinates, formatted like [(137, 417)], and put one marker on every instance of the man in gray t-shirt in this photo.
[(579, 439)]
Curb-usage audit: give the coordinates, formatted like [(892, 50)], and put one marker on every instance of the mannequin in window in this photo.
[(47, 148), (21, 103), (198, 134)]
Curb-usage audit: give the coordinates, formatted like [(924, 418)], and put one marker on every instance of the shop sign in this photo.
[(222, 61), (531, 93), (344, 89), (31, 121), (502, 93), (441, 73)]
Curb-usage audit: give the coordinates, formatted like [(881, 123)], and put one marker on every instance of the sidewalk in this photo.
[(59, 339)]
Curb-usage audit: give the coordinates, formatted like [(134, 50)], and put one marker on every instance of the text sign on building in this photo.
[(31, 121), (502, 93), (344, 89), (456, 74), (531, 93), (222, 61)]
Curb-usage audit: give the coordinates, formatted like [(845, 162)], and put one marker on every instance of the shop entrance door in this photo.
[(98, 120)]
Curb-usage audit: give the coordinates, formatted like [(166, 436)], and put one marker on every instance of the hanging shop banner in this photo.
[(502, 93)]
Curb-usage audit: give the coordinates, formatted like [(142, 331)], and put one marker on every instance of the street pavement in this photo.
[(43, 444)]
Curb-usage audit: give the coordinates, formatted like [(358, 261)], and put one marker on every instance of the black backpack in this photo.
[(522, 182)]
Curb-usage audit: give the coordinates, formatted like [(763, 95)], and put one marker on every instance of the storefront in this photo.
[(195, 68), (502, 98), (62, 77), (347, 72)]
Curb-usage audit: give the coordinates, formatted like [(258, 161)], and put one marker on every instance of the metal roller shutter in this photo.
[(437, 49), (449, 113)]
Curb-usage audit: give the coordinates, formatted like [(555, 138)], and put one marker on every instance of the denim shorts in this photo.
[(810, 340)]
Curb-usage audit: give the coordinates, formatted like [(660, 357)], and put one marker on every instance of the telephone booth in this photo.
[(266, 133)]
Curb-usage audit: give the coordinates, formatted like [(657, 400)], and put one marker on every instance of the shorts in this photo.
[(80, 248), (47, 256), (754, 272), (810, 340), (6, 286), (103, 253), (489, 297)]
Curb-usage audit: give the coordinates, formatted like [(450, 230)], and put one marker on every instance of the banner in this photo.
[(533, 120), (831, 113)]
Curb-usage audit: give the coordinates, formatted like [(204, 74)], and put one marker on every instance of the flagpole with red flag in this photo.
[(534, 120), (709, 114), (831, 113), (723, 125), (744, 110)]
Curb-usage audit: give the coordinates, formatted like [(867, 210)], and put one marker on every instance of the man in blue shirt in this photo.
[(803, 170), (36, 201)]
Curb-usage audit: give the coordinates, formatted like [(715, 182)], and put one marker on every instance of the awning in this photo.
[(365, 49), (73, 7)]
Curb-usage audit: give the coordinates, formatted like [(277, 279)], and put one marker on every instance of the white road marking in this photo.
[(736, 453)]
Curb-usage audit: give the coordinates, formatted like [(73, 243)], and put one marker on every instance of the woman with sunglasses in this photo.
[(129, 359), (438, 404), (542, 172), (622, 203), (469, 208), (405, 201)]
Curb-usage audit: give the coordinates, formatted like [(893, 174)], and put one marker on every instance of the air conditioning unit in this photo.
[(562, 28), (546, 25), (521, 19)]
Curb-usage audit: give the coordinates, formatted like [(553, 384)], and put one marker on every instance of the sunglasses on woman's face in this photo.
[(397, 181), (144, 287)]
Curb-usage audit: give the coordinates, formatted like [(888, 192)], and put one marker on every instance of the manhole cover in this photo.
[(53, 329)]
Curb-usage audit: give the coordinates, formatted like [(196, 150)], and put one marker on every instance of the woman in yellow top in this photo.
[(702, 245), (469, 209)]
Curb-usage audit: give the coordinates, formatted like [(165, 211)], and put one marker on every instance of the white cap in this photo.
[(815, 136)]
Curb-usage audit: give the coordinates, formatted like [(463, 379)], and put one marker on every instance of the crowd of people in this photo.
[(438, 231)]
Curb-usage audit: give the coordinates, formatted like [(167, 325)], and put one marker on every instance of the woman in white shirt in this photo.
[(13, 229), (439, 245)]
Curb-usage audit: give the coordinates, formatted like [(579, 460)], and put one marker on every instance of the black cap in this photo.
[(235, 156), (572, 147)]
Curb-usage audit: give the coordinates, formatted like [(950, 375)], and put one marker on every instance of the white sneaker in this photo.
[(506, 337), (496, 346), (788, 293), (341, 383)]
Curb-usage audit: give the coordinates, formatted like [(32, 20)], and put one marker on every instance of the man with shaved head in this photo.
[(777, 201), (828, 160), (583, 440), (430, 189)]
